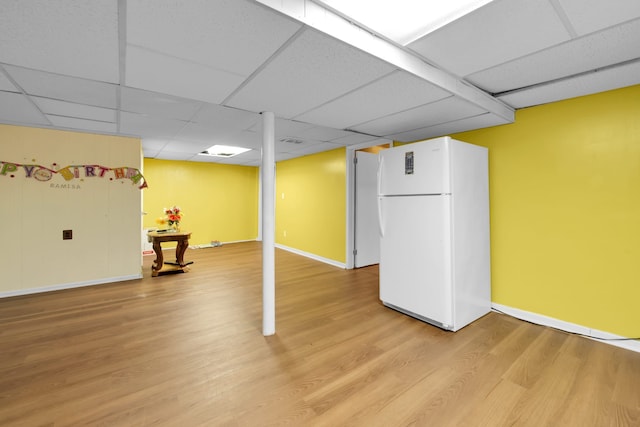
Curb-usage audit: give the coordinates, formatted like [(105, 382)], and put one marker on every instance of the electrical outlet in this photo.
[(67, 234)]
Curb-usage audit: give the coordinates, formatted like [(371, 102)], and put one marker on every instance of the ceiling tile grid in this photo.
[(64, 88), (587, 16), (310, 71), (593, 82), (566, 59), (447, 110), (158, 104), (70, 109), (62, 36), (493, 34), (468, 123), (149, 127), (17, 109), (235, 36), (185, 74), (5, 83), (156, 72), (394, 92), (82, 124)]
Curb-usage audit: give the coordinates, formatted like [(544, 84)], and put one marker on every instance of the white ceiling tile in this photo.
[(322, 133), (285, 156), (5, 83), (397, 91), (70, 109), (82, 124), (573, 57), (170, 155), (15, 107), (298, 147), (149, 127), (203, 134), (77, 38), (65, 88), (182, 146), (498, 32), (468, 123), (446, 110), (157, 104), (245, 139), (234, 36), (354, 138), (312, 70), (283, 128), (315, 148), (587, 16), (149, 153), (156, 72), (220, 117), (607, 79), (154, 144)]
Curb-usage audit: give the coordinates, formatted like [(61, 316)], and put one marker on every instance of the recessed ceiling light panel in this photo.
[(224, 151), (403, 21)]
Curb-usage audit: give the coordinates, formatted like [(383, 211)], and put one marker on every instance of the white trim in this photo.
[(594, 334), (209, 245), (312, 256), (326, 21), (63, 286)]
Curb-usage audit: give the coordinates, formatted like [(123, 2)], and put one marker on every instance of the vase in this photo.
[(176, 227)]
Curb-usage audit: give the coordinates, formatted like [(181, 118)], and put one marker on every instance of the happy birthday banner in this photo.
[(42, 173)]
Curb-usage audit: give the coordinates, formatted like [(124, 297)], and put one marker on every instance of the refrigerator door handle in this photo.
[(380, 227)]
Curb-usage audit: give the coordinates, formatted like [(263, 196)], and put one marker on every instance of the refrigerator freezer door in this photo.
[(420, 168), (415, 257)]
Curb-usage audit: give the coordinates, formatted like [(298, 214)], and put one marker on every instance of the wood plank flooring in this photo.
[(187, 350)]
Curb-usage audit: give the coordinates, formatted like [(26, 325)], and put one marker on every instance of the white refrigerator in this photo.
[(433, 206)]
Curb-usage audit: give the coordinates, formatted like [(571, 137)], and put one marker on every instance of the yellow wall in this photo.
[(103, 212), (220, 202), (311, 204), (565, 210)]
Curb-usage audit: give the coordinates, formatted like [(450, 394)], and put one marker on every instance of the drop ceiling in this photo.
[(184, 75)]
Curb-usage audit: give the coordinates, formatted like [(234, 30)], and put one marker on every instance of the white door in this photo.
[(415, 256), (367, 239)]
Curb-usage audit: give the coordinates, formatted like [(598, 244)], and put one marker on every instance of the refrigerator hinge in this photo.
[(355, 252), (355, 160)]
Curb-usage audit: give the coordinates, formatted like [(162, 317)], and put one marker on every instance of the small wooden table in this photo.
[(182, 238)]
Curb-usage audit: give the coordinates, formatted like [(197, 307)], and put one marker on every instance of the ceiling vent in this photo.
[(291, 140)]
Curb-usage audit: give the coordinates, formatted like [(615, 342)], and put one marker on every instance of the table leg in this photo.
[(159, 261), (180, 250)]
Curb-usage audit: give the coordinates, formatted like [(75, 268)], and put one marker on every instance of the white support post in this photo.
[(268, 225)]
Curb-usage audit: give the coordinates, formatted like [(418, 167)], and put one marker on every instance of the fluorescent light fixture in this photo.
[(403, 21), (224, 151)]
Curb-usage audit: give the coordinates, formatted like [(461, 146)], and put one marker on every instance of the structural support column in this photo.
[(268, 225)]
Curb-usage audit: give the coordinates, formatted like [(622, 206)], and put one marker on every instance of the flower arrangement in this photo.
[(173, 216)]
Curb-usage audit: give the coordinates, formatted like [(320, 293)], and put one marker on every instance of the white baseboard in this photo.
[(312, 256), (594, 334), (210, 245), (63, 286)]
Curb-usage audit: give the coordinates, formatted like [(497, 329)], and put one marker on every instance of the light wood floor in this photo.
[(187, 350)]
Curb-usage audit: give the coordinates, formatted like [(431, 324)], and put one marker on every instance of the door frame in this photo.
[(351, 199)]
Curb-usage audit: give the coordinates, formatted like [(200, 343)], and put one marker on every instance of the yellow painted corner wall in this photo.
[(102, 210), (565, 210), (220, 202), (311, 204)]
